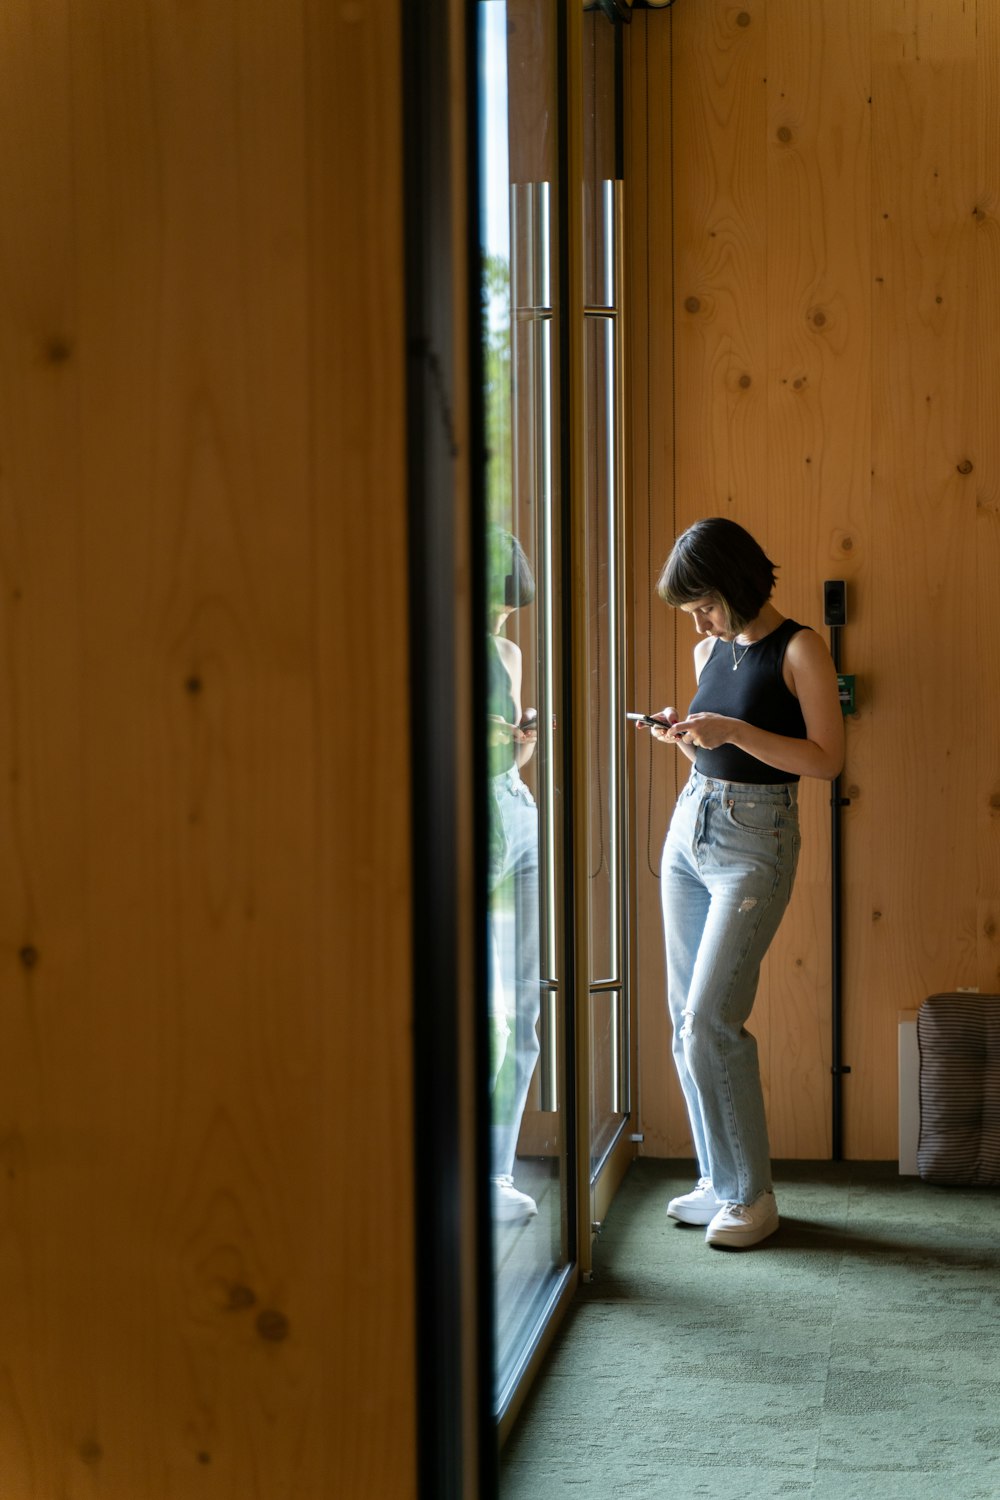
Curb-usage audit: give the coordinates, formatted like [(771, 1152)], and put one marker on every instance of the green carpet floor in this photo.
[(854, 1356)]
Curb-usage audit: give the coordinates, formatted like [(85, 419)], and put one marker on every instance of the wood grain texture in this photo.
[(206, 1270), (650, 335), (924, 166), (817, 422), (836, 382), (987, 539)]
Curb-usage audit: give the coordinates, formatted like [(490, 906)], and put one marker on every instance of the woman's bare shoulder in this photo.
[(807, 659), (508, 651), (702, 651), (806, 646)]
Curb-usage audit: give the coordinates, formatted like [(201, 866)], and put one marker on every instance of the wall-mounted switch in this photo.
[(834, 602)]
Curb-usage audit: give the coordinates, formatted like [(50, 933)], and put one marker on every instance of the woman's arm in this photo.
[(524, 738), (812, 677)]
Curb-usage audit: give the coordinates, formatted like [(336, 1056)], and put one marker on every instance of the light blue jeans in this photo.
[(514, 958), (728, 868)]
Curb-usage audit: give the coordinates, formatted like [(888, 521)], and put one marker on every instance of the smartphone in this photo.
[(651, 720)]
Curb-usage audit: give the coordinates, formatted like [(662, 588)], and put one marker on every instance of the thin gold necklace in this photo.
[(738, 659)]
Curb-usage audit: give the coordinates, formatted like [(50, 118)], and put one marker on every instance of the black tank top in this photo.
[(755, 692)]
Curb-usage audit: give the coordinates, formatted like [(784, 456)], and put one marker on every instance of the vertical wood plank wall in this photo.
[(205, 1135), (822, 345)]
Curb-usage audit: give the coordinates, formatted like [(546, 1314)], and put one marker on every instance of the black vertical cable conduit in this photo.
[(837, 1068)]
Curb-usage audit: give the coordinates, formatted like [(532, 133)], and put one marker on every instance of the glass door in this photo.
[(604, 549), (531, 1101), (550, 257)]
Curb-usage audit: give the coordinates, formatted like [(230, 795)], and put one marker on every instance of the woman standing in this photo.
[(513, 917), (766, 712)]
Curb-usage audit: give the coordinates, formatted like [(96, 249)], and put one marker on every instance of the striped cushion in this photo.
[(959, 1039)]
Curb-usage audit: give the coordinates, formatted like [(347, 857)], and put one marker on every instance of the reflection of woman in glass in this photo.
[(766, 711), (513, 876)]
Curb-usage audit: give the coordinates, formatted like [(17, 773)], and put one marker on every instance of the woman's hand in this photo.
[(526, 737), (669, 733), (670, 715), (696, 732), (527, 730), (500, 729), (704, 731)]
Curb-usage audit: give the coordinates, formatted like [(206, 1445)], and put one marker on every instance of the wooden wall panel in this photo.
[(987, 437), (206, 1243), (357, 497), (834, 237), (649, 306), (720, 182), (924, 165), (817, 419)]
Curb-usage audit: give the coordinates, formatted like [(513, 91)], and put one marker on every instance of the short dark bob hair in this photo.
[(510, 582), (718, 559)]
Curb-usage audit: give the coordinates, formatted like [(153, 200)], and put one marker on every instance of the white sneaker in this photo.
[(510, 1206), (697, 1207), (738, 1225)]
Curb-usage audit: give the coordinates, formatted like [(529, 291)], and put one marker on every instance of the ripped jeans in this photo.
[(728, 868)]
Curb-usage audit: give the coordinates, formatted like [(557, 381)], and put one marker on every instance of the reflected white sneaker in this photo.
[(697, 1207), (510, 1206), (739, 1225)]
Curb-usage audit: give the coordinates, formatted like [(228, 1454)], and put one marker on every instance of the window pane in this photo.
[(530, 1176), (607, 896)]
